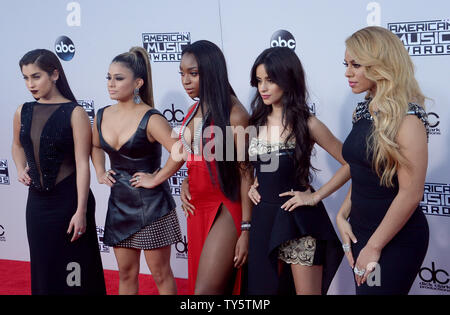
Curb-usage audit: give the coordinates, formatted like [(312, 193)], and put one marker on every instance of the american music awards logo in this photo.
[(424, 38), (165, 47), (4, 174), (102, 247), (88, 106), (436, 199), (312, 108), (176, 180)]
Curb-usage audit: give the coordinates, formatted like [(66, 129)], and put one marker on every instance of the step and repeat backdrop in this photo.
[(88, 34)]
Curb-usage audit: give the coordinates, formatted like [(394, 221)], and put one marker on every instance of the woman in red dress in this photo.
[(218, 206)]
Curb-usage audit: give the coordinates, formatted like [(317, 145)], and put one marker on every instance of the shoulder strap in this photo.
[(419, 112), (187, 119), (148, 114), (25, 115), (26, 106), (100, 118), (361, 110)]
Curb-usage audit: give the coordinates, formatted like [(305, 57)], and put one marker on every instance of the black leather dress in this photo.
[(131, 209)]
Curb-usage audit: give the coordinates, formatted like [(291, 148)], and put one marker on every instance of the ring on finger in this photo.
[(359, 272)]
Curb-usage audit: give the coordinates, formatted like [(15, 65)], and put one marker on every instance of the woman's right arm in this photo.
[(98, 159), (18, 153), (344, 227)]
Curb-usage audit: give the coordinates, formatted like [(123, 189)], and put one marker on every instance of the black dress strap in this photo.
[(144, 122), (100, 118), (419, 112)]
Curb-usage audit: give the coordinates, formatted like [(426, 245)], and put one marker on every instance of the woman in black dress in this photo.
[(51, 146), (290, 228), (387, 154), (141, 211)]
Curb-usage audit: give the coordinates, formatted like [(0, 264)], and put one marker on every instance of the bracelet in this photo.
[(245, 226)]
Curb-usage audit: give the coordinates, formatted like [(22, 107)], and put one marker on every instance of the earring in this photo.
[(136, 97)]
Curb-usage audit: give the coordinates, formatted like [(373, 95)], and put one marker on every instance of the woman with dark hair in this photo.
[(216, 186), (51, 146), (141, 211), (290, 225)]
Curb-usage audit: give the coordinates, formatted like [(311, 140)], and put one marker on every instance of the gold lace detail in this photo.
[(298, 251)]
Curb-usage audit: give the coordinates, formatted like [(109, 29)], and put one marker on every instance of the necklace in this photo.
[(197, 134)]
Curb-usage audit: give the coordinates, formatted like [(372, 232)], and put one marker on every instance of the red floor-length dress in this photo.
[(207, 198)]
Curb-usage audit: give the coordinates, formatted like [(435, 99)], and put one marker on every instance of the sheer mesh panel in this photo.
[(41, 115)]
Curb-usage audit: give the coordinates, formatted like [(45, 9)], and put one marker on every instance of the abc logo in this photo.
[(433, 119), (434, 275), (182, 246), (282, 38), (64, 48), (174, 115)]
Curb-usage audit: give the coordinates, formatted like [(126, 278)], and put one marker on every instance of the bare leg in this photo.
[(307, 280), (158, 261), (216, 261), (128, 261)]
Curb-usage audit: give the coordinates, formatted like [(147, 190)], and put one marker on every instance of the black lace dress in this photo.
[(402, 257), (58, 266)]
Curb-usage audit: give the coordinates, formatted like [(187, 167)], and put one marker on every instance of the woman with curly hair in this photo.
[(387, 154)]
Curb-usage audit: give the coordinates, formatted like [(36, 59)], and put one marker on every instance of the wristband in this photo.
[(245, 226)]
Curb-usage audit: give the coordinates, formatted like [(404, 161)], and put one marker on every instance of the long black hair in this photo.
[(285, 69), (138, 62), (215, 102), (49, 62)]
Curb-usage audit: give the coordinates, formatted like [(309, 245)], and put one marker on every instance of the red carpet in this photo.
[(15, 280)]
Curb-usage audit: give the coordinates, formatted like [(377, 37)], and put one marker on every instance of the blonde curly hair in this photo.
[(387, 63)]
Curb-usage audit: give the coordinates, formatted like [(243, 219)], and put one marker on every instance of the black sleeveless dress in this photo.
[(138, 218), (58, 266), (308, 227), (402, 257)]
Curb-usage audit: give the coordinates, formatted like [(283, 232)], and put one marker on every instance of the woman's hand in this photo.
[(23, 177), (144, 180), (77, 224), (366, 263), (347, 236), (107, 178), (254, 195), (241, 250), (299, 198), (185, 196)]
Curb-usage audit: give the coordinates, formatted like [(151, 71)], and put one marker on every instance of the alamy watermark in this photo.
[(74, 277), (237, 144)]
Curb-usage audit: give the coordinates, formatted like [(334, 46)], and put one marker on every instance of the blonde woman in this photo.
[(386, 238)]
